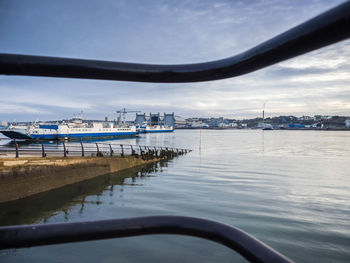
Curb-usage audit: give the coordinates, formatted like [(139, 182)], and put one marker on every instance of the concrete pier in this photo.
[(22, 177)]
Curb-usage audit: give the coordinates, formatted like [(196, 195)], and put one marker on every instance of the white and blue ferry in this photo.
[(158, 128), (74, 130)]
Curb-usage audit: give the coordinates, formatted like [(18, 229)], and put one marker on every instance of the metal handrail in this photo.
[(82, 150), (322, 30), (37, 235)]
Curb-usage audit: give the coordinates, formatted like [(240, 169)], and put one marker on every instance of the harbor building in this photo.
[(154, 119), (169, 119), (140, 119)]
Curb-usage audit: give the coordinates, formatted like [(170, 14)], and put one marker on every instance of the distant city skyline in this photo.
[(166, 32), (131, 118)]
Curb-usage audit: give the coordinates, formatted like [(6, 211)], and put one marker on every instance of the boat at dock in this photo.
[(158, 128), (76, 129)]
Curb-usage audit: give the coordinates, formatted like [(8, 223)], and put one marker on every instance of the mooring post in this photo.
[(64, 150), (122, 150), (16, 145), (111, 150), (43, 154), (82, 149)]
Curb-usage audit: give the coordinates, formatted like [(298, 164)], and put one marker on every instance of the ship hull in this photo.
[(15, 135), (158, 128), (90, 136), (78, 136), (157, 131)]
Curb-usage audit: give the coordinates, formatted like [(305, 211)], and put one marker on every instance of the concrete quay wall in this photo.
[(22, 177)]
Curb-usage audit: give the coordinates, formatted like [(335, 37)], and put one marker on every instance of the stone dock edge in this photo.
[(23, 177)]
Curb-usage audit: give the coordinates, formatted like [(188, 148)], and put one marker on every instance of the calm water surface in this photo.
[(290, 189)]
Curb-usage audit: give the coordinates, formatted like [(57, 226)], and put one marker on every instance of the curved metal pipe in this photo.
[(325, 29), (36, 235)]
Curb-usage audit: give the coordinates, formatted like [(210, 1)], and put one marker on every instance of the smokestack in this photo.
[(263, 116)]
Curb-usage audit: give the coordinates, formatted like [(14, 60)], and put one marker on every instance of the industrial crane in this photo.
[(124, 112)]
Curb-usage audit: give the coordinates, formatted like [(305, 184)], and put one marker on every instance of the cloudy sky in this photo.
[(168, 32)]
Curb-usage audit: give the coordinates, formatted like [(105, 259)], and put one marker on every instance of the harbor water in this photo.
[(290, 189)]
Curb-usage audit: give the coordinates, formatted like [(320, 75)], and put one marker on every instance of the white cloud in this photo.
[(329, 58), (5, 108), (329, 77)]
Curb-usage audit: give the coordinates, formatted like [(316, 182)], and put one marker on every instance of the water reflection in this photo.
[(263, 142), (290, 189), (41, 207)]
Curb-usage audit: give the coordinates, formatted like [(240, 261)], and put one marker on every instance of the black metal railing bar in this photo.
[(36, 235)]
